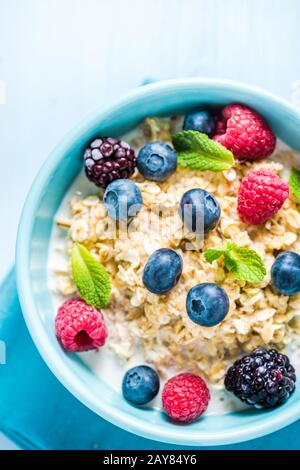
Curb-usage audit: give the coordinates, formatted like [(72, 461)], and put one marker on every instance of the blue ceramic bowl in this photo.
[(42, 202)]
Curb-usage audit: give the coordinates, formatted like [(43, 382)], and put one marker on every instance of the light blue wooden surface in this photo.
[(61, 59)]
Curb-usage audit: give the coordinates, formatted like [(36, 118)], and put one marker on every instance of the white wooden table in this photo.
[(61, 59)]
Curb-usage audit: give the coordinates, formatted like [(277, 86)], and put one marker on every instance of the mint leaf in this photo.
[(91, 279), (295, 184), (198, 152), (244, 263), (212, 254)]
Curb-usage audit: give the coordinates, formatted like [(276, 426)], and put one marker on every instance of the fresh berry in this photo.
[(157, 161), (207, 304), (122, 199), (201, 120), (162, 271), (107, 159), (285, 273), (263, 379), (79, 326), (185, 398), (140, 385), (199, 210), (260, 196), (245, 133)]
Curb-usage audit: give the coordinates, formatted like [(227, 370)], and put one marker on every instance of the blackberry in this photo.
[(263, 379), (107, 159)]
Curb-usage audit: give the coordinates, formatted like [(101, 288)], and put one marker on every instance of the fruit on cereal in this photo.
[(199, 211), (264, 378), (285, 273), (185, 397), (107, 267), (79, 326), (140, 385), (162, 271), (122, 199), (201, 120), (156, 161), (261, 195), (207, 304), (107, 159), (244, 132)]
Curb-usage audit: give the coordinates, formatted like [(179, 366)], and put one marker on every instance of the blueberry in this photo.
[(201, 120), (199, 210), (157, 161), (162, 271), (207, 304), (122, 199), (140, 385), (285, 273)]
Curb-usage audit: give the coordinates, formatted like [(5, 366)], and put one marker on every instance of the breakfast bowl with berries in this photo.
[(158, 262)]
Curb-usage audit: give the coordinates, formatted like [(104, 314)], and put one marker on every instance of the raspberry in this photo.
[(79, 326), (263, 379), (108, 159), (260, 196), (185, 397), (245, 133)]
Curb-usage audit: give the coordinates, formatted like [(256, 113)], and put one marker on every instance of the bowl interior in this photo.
[(44, 199)]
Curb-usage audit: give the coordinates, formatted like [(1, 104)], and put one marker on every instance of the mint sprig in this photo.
[(245, 264), (198, 152), (91, 278), (294, 183)]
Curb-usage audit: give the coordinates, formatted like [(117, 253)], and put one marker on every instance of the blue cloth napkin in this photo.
[(37, 412)]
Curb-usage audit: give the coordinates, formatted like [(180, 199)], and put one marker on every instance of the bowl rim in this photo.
[(173, 435)]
